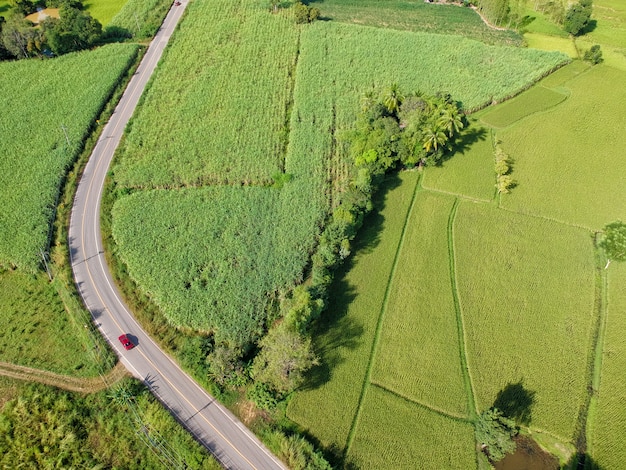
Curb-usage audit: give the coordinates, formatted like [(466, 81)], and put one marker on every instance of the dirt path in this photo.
[(66, 382)]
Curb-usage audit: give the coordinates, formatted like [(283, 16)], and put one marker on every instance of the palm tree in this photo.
[(392, 99), (450, 120), (434, 137)]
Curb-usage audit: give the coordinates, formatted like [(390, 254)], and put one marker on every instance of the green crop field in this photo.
[(37, 331), (418, 354), (471, 171), (536, 99), (46, 99), (229, 126), (609, 422), (570, 162), (346, 331), (435, 441), (517, 312), (104, 10), (416, 15)]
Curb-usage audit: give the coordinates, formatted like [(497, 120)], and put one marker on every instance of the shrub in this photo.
[(593, 55)]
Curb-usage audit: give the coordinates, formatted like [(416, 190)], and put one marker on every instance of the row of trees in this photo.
[(74, 30)]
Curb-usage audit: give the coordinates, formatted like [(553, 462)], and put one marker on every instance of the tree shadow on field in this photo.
[(582, 461), (515, 402), (336, 333), (473, 133)]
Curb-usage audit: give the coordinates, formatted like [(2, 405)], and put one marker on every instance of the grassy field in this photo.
[(418, 354), (49, 101), (37, 331), (569, 161), (517, 312), (416, 15), (346, 331), (422, 439), (470, 172), (608, 422), (104, 10)]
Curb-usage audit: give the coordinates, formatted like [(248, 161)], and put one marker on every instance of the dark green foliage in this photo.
[(299, 454), (613, 241), (495, 433), (225, 367), (302, 308), (577, 17), (284, 358), (19, 38), (263, 396), (594, 55), (73, 31), (304, 13), (496, 11)]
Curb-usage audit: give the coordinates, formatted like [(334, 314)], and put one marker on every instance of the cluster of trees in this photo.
[(495, 433), (509, 13), (74, 30), (305, 13), (578, 17)]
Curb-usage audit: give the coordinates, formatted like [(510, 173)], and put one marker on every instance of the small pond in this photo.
[(528, 456)]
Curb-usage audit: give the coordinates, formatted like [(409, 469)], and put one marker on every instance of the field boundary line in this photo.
[(379, 324), (594, 372), (65, 382), (458, 195), (413, 401), (550, 219), (467, 376)]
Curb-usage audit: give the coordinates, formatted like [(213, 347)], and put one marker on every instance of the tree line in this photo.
[(74, 30)]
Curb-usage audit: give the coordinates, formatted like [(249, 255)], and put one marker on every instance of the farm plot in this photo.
[(136, 18), (418, 355), (48, 105), (217, 110), (526, 291), (204, 273), (35, 329), (416, 15), (569, 162), (608, 422), (346, 331), (421, 438), (470, 172)]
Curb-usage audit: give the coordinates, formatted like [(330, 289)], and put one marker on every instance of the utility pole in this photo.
[(45, 263)]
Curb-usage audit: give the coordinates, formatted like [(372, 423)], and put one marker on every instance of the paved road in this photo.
[(214, 426)]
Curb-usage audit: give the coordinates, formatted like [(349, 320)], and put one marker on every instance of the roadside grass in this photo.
[(104, 10), (44, 427), (537, 99), (470, 171), (216, 134), (43, 101), (418, 353), (526, 290), (569, 162), (607, 423), (345, 333), (422, 438), (37, 331), (416, 15)]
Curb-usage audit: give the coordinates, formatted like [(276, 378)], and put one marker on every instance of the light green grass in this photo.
[(416, 15), (393, 433), (37, 331), (418, 354), (345, 333), (220, 98), (546, 42), (535, 100), (564, 74), (526, 289), (570, 161), (470, 171), (104, 10), (610, 29), (541, 24), (42, 100), (608, 423)]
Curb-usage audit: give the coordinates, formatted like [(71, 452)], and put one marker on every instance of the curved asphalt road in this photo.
[(214, 426)]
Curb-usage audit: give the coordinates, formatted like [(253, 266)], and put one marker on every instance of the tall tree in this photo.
[(451, 120), (73, 31), (20, 38), (392, 99), (577, 17), (495, 433), (613, 242)]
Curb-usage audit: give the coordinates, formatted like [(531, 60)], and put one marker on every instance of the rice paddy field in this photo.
[(609, 418), (53, 106), (569, 161)]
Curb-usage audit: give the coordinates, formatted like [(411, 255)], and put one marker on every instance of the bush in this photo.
[(593, 55), (304, 13), (495, 433)]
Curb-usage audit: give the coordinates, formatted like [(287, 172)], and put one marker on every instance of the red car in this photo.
[(128, 344)]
